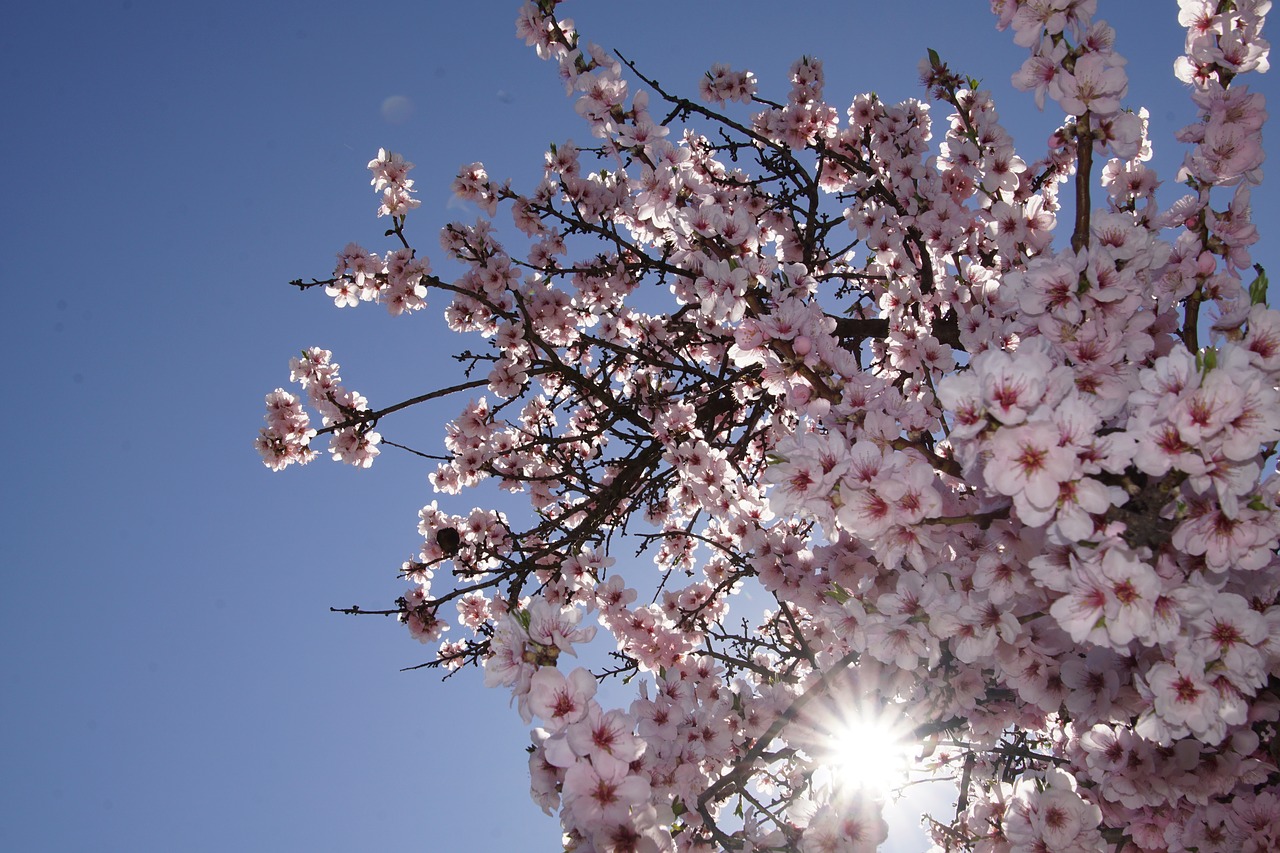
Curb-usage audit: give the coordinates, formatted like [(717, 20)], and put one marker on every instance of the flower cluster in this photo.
[(345, 414), (887, 444), (722, 84), (396, 279), (287, 436), (391, 178)]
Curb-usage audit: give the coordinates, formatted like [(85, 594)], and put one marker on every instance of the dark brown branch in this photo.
[(366, 417), (1084, 159)]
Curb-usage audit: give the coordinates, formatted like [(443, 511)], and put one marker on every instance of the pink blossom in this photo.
[(1183, 701), (1052, 816), (604, 737), (1028, 464), (1012, 384), (595, 797), (1039, 71), (558, 700), (1096, 84)]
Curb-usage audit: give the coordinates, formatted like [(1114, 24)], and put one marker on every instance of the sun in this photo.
[(870, 750)]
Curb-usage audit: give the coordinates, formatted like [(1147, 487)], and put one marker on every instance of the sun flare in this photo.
[(870, 752)]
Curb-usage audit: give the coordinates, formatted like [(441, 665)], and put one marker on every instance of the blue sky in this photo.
[(172, 678)]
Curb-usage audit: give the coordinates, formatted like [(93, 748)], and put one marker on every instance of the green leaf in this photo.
[(1258, 290), (839, 593)]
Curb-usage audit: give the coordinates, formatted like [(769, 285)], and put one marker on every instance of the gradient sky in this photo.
[(171, 676)]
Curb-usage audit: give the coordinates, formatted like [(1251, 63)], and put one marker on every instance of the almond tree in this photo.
[(1010, 493)]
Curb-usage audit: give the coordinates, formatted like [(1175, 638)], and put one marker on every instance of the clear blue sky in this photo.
[(171, 676)]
